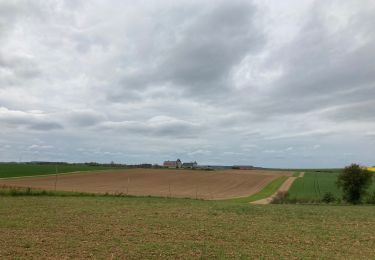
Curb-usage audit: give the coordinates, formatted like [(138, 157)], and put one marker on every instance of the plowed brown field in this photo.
[(223, 184)]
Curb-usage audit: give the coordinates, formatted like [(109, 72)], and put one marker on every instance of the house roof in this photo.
[(189, 163)]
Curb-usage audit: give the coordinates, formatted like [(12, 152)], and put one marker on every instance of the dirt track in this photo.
[(158, 182), (283, 188)]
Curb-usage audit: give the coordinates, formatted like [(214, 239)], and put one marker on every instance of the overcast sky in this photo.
[(265, 83)]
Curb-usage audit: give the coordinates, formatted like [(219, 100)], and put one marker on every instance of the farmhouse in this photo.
[(191, 165), (173, 164)]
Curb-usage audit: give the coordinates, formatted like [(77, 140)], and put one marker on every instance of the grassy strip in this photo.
[(18, 191), (331, 170), (266, 192), (62, 173), (9, 170), (9, 191), (296, 174)]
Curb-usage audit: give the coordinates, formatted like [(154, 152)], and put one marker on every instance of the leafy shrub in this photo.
[(354, 181), (13, 192), (28, 191), (328, 197), (371, 198), (280, 197)]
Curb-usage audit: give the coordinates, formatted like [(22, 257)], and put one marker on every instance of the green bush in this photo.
[(280, 197), (371, 198), (354, 182), (328, 197)]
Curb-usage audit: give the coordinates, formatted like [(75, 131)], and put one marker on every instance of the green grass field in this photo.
[(17, 170), (313, 186), (156, 228)]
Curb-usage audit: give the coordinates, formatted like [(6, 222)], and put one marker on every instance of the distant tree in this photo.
[(354, 182)]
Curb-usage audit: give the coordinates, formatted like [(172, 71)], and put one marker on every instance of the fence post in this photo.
[(55, 177), (127, 187)]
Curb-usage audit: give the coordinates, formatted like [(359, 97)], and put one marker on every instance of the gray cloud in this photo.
[(354, 112), (14, 69), (216, 81), (219, 39), (82, 118), (45, 126), (33, 120), (198, 56), (325, 64), (160, 126)]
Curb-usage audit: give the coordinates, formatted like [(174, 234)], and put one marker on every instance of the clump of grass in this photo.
[(280, 197), (371, 198), (294, 200), (328, 197), (14, 191), (20, 191), (296, 174)]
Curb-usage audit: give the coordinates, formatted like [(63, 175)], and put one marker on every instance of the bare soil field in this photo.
[(223, 184)]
